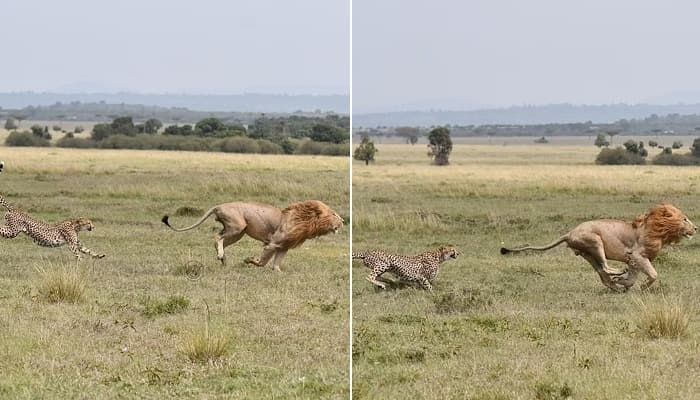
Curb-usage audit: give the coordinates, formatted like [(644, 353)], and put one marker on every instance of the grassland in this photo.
[(533, 326), (284, 335)]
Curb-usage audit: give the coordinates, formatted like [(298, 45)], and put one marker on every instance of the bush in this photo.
[(26, 139), (618, 156), (267, 147), (238, 144), (677, 145), (675, 159), (78, 143), (309, 147)]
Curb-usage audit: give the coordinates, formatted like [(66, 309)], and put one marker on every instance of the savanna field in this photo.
[(159, 317), (526, 326)]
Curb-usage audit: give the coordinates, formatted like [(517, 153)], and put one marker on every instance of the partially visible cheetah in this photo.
[(44, 234), (421, 268)]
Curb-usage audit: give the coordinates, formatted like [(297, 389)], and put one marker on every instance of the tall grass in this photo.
[(206, 347), (661, 317), (60, 284)]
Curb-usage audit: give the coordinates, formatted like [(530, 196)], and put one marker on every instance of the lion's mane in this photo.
[(661, 225), (307, 220)]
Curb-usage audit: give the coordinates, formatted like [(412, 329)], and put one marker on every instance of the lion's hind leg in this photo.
[(224, 240), (599, 268)]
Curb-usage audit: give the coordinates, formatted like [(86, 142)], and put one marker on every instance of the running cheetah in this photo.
[(44, 234), (421, 268)]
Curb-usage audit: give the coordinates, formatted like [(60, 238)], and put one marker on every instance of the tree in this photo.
[(37, 130), (677, 144), (11, 124), (601, 140), (409, 133), (123, 126), (636, 148), (209, 126), (695, 148), (365, 151), (440, 145), (653, 143), (611, 133), (328, 133), (152, 125)]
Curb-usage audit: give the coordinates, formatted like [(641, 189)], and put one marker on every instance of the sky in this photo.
[(161, 46), (442, 54)]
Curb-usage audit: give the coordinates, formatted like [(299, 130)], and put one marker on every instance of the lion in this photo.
[(280, 230), (636, 244)]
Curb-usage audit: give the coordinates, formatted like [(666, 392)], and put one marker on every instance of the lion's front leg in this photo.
[(643, 264), (279, 257), (267, 254)]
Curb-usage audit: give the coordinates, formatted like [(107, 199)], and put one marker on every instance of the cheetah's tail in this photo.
[(359, 256), (5, 204)]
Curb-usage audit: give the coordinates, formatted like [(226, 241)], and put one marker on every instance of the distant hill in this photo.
[(523, 115), (245, 103)]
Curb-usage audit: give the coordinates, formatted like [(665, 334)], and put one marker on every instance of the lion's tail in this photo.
[(547, 247), (196, 224)]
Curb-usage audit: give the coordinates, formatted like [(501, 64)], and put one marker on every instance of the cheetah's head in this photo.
[(448, 252), (83, 224)]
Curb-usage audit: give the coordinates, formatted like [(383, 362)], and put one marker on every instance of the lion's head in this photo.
[(307, 220), (447, 252), (661, 225)]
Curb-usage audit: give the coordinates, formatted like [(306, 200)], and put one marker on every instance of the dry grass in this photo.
[(661, 317), (518, 327), (60, 284), (108, 345)]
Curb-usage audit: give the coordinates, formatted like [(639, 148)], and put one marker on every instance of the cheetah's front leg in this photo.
[(426, 284), (85, 250)]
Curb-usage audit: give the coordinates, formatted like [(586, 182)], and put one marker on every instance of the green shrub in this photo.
[(675, 159), (618, 156), (26, 139), (238, 144), (172, 305), (78, 143), (267, 147), (310, 147)]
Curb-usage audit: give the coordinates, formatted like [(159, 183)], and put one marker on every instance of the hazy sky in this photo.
[(203, 46), (415, 54)]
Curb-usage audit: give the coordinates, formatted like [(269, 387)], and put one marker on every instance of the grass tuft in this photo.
[(550, 391), (172, 305), (205, 347), (61, 285), (663, 318), (460, 301)]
